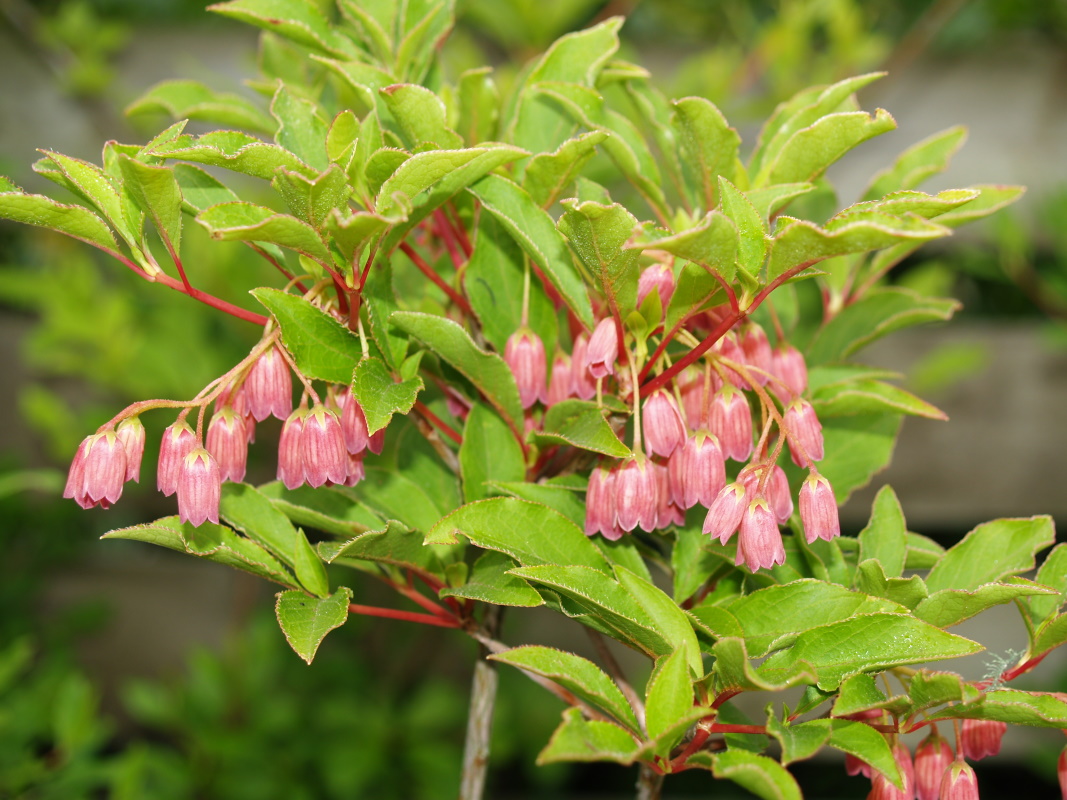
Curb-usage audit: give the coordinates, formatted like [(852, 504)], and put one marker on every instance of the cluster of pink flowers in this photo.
[(689, 431), (321, 445), (935, 773)]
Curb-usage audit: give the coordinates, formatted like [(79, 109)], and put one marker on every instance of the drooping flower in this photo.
[(268, 389), (524, 353), (376, 441), (636, 491), (199, 488), (959, 782), (759, 542), (603, 349), (981, 737), (725, 512), (857, 766), (659, 278), (291, 450), (803, 431), (561, 382), (790, 372), (731, 421), (757, 350), (227, 441), (584, 382), (178, 441), (818, 509), (932, 757), (697, 471), (354, 425), (729, 349), (97, 471), (356, 470), (600, 502), (667, 511), (322, 446), (775, 488), (131, 433), (662, 424)]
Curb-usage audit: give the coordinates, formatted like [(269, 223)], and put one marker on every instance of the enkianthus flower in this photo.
[(178, 441), (932, 757), (691, 387), (775, 488), (376, 441), (322, 447), (667, 511), (757, 351), (857, 766), (728, 348), (790, 372), (199, 488), (584, 382), (959, 782), (524, 353), (268, 388), (759, 542), (883, 789), (697, 471), (636, 495), (731, 421), (818, 509), (981, 737), (97, 471), (662, 425), (725, 512), (602, 350), (132, 435), (803, 431), (561, 382), (353, 424), (600, 502), (659, 278), (356, 471), (291, 450), (227, 441)]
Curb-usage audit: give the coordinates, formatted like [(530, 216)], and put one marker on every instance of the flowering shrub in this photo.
[(515, 391)]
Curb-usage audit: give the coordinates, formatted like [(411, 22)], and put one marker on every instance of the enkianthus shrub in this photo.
[(630, 399)]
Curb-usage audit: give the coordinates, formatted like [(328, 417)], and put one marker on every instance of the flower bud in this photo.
[(268, 389), (757, 350), (584, 382), (227, 441), (726, 511), (132, 435), (959, 782), (731, 421), (790, 372), (291, 450), (803, 431), (636, 496), (524, 353), (199, 488), (981, 737), (178, 441), (818, 509), (561, 383), (659, 278), (603, 349), (932, 757), (662, 424), (759, 543), (322, 447)]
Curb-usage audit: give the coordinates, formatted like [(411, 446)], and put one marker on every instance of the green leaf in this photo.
[(762, 776), (691, 564), (581, 424), (991, 552), (494, 280), (305, 620), (694, 288), (929, 689), (772, 199), (406, 495), (578, 739), (300, 128), (1051, 573), (213, 542), (395, 544), (421, 116), (711, 243), (188, 99), (923, 552), (75, 221), (248, 222), (869, 642), (536, 234), (479, 102), (1015, 707), (674, 623), (598, 235), (867, 396), (489, 453), (531, 534), (199, 189), (733, 670), (313, 200), (547, 175), (856, 448), (577, 675), (568, 502), (950, 607), (799, 741), (867, 744), (1049, 635), (379, 298), (487, 371), (810, 150), (156, 191), (885, 537), (309, 569), (870, 578), (379, 395), (917, 163), (772, 617), (709, 148), (234, 151), (669, 696), (323, 348), (253, 514), (423, 26), (297, 20), (93, 184), (880, 311), (328, 509), (489, 582), (751, 229), (857, 694)]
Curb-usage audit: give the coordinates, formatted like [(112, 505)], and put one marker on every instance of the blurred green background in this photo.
[(133, 674)]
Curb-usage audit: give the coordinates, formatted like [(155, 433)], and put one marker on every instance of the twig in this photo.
[(480, 717)]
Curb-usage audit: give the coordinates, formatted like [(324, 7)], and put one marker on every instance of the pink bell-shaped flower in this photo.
[(981, 737), (790, 372), (97, 472), (731, 422), (757, 350), (268, 389), (857, 766), (803, 431), (227, 441), (354, 425), (667, 511), (561, 382), (322, 446), (178, 441), (725, 512), (959, 782), (603, 349), (524, 353), (729, 349), (600, 502), (356, 470), (376, 441), (759, 543), (662, 424), (818, 509), (697, 471), (636, 495), (132, 435), (75, 488), (658, 278), (932, 757), (291, 450), (584, 382), (199, 488), (775, 488)]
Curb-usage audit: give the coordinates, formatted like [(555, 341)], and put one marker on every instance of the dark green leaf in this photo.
[(885, 537), (254, 515), (248, 222), (568, 502), (323, 348), (379, 395), (489, 453), (733, 670), (581, 424), (489, 582), (709, 148), (669, 697), (312, 200), (578, 739), (394, 544), (867, 744), (991, 552), (762, 776), (309, 568), (478, 105), (306, 620), (1051, 573), (598, 235), (799, 741)]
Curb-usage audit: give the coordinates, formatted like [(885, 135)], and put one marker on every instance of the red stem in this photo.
[(438, 423), (461, 231), (448, 236), (288, 275), (409, 616), (428, 271)]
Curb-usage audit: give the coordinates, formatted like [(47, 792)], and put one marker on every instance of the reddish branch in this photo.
[(437, 422), (428, 271), (409, 616)]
